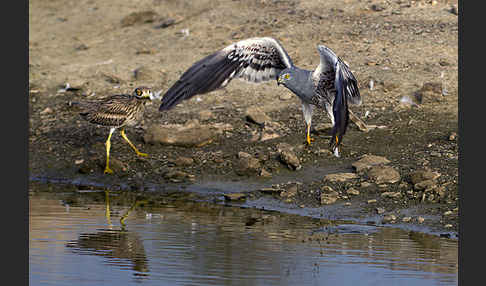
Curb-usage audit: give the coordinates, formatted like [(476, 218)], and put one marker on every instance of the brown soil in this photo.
[(400, 45)]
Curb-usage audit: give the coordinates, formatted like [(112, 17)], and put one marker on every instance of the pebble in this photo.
[(383, 174), (367, 161), (380, 210), (407, 219), (372, 201), (340, 177), (420, 219), (256, 115), (352, 191), (448, 213), (47, 110), (389, 218), (391, 194), (453, 136), (234, 196)]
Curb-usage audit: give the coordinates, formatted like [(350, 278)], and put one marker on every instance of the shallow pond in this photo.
[(76, 238)]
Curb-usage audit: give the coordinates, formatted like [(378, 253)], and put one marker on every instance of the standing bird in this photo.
[(330, 86), (117, 111)]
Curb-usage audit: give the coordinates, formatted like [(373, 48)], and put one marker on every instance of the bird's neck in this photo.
[(305, 86)]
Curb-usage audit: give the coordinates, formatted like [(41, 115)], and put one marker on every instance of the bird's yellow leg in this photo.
[(107, 200), (309, 139), (108, 145), (122, 132)]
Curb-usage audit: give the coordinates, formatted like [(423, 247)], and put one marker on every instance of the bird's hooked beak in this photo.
[(279, 81)]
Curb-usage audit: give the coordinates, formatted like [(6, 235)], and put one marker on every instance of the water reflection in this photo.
[(119, 246), (198, 243)]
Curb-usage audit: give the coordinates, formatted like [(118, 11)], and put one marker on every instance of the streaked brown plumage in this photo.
[(117, 111)]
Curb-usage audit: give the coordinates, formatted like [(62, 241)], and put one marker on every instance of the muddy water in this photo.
[(98, 238)]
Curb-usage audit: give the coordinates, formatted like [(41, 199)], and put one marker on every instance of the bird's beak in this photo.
[(279, 81)]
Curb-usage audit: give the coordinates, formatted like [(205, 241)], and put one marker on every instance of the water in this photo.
[(74, 240)]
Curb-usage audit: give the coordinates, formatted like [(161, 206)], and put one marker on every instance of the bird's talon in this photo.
[(108, 171), (142, 154)]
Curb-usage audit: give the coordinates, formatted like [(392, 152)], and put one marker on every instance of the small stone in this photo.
[(365, 184), (380, 210), (377, 7), (247, 165), (427, 184), (420, 219), (285, 96), (340, 177), (422, 175), (448, 213), (289, 192), (264, 173), (328, 195), (407, 219), (391, 194), (192, 134), (448, 225), (205, 115), (178, 176), (47, 110), (288, 156), (234, 196), (184, 161), (453, 136), (77, 162), (372, 201), (347, 204), (143, 73), (389, 218), (352, 191)]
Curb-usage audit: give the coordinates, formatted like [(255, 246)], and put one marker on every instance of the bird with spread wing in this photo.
[(330, 86)]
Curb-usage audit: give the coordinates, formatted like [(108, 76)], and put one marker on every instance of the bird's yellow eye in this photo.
[(139, 92), (286, 76)]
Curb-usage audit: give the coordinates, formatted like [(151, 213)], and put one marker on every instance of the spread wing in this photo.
[(327, 67), (333, 73), (254, 60)]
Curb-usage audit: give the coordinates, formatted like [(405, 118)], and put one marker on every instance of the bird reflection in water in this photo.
[(119, 246)]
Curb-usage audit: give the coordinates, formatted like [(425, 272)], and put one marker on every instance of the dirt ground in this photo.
[(406, 48)]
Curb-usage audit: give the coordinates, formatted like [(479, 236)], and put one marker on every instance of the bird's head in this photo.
[(285, 77), (143, 92)]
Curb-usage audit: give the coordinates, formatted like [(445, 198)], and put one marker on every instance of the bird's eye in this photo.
[(139, 92), (286, 76)]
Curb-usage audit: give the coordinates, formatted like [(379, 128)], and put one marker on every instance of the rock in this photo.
[(205, 115), (340, 177), (256, 115), (430, 92), (391, 194), (380, 210), (420, 219), (264, 173), (285, 96), (234, 196), (191, 134), (377, 7), (389, 218), (423, 185), (143, 73), (453, 136), (270, 131), (407, 219), (328, 195), (165, 23), (372, 201), (288, 156), (139, 18), (383, 174), (247, 165), (367, 161), (290, 192), (352, 191), (47, 110), (178, 176), (183, 161), (323, 127), (422, 175)]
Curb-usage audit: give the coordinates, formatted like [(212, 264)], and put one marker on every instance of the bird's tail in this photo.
[(339, 110)]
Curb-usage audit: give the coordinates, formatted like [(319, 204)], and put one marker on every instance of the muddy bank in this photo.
[(403, 54)]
